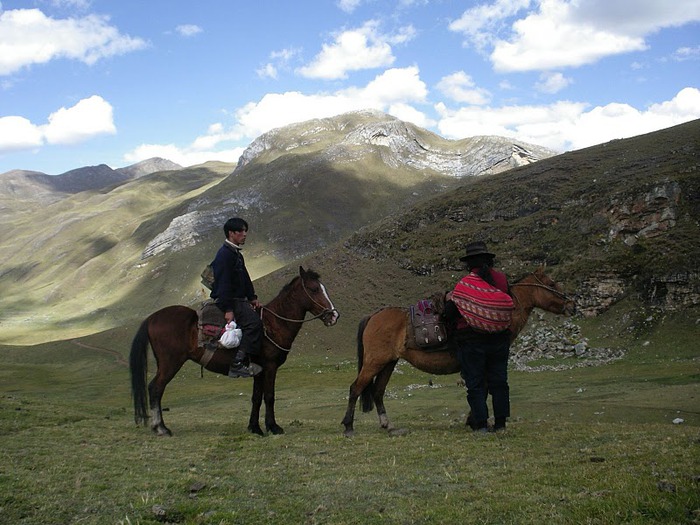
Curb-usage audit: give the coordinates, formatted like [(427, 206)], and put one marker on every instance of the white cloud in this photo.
[(391, 88), (354, 50), (188, 30), (17, 134), (267, 71), (460, 87), (90, 117), (551, 82), (569, 125), (393, 92), (480, 25), (183, 157), (279, 60), (564, 33), (28, 37), (554, 38)]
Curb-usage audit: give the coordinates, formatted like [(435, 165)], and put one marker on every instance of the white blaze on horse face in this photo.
[(335, 312)]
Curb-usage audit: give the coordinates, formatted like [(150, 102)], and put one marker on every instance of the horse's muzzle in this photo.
[(330, 317)]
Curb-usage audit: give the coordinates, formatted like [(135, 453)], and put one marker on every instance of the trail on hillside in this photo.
[(117, 356)]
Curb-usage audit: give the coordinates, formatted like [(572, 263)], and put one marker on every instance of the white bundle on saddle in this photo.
[(231, 336)]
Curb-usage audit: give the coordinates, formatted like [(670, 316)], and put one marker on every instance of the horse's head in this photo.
[(320, 304), (546, 293)]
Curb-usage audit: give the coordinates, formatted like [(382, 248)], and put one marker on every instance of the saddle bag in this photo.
[(428, 327), (484, 307), (208, 276)]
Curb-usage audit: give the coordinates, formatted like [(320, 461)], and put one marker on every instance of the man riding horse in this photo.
[(235, 296)]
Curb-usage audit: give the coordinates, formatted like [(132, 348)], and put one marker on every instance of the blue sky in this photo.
[(85, 82)]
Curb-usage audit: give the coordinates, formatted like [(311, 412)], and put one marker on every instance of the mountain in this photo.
[(381, 227), (22, 184)]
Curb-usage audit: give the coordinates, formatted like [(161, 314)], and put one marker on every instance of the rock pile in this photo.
[(563, 345)]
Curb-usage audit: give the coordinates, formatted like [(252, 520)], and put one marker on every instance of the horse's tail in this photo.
[(138, 363), (367, 395)]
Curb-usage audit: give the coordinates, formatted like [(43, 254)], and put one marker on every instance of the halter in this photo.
[(325, 311)]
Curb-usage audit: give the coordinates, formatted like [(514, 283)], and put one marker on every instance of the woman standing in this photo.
[(483, 345)]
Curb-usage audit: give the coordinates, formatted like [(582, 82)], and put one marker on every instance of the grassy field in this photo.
[(590, 445)]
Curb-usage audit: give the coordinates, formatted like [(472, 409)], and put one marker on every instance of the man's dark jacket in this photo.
[(231, 278)]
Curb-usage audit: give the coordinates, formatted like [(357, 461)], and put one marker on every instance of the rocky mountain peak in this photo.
[(355, 135)]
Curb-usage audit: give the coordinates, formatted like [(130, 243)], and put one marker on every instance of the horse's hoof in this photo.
[(276, 429), (349, 433), (162, 431), (256, 430)]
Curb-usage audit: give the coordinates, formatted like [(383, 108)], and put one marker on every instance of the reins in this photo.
[(325, 311)]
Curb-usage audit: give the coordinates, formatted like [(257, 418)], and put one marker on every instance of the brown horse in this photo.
[(384, 337), (173, 336)]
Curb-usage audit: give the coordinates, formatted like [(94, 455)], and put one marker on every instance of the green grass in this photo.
[(588, 445)]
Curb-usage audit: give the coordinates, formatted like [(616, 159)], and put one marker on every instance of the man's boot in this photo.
[(242, 367)]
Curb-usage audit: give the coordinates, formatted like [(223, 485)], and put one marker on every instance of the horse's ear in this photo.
[(301, 271)]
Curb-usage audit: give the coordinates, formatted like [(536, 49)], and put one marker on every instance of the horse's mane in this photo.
[(310, 274)]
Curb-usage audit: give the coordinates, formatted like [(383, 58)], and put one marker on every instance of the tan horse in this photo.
[(384, 337)]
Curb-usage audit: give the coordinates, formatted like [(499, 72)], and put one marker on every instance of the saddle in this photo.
[(428, 327), (211, 322)]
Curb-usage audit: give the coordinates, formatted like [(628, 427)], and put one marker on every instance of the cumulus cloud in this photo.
[(89, 118), (461, 88), (29, 37), (18, 134), (562, 33), (564, 125), (354, 50), (394, 86), (394, 92), (182, 156), (215, 144)]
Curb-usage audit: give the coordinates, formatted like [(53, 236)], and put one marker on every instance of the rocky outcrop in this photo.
[(644, 215)]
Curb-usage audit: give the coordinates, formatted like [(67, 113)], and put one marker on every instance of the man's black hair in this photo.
[(236, 224)]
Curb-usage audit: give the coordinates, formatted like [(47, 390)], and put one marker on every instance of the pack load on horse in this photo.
[(174, 336), (388, 335)]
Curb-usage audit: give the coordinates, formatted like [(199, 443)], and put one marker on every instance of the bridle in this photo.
[(540, 284), (324, 313)]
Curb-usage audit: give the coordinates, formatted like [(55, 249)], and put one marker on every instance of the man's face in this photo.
[(238, 237)]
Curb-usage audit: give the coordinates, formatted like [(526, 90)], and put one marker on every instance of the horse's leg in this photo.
[(363, 381), (269, 396), (156, 387), (379, 388), (254, 421)]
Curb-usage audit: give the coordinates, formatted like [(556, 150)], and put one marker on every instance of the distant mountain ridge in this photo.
[(27, 184)]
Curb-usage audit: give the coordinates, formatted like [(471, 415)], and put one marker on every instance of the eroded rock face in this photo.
[(598, 293), (646, 215)]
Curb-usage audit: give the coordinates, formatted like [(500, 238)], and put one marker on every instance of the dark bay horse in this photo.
[(173, 335), (384, 337)]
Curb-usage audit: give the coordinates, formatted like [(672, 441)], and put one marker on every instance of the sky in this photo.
[(87, 82)]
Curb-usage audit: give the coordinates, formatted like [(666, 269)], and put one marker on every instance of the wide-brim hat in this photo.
[(476, 248)]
